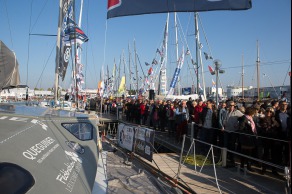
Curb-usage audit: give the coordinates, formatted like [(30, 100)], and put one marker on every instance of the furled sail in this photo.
[(118, 8), (9, 73)]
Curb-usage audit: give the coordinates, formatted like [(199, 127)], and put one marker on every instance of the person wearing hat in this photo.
[(269, 125), (247, 137), (230, 126)]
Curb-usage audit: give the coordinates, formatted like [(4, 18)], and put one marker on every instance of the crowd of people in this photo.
[(259, 130)]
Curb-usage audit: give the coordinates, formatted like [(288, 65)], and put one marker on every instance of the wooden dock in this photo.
[(229, 180)]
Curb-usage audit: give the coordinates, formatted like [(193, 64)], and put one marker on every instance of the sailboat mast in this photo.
[(197, 51), (119, 75), (176, 46), (163, 60), (130, 73), (124, 72), (242, 76), (58, 51), (107, 81), (136, 66), (75, 62), (258, 70), (199, 56)]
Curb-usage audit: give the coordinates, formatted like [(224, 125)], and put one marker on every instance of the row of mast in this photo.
[(162, 74)]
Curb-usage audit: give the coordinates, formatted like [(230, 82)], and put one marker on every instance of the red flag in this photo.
[(150, 71), (113, 4), (210, 69)]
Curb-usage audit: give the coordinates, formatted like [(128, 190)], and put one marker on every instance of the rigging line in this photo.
[(28, 46), (190, 73), (46, 64), (262, 64), (140, 65), (185, 40), (205, 37), (38, 15), (287, 74), (42, 34), (105, 39), (8, 24), (94, 66), (184, 37), (189, 21), (86, 50)]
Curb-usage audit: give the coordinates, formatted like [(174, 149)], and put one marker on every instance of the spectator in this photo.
[(269, 127), (197, 112), (282, 117), (209, 122), (221, 118), (171, 119), (182, 116), (230, 126), (247, 140)]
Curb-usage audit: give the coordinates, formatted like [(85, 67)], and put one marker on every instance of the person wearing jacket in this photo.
[(209, 123), (269, 129), (182, 117), (230, 126), (171, 119), (247, 137)]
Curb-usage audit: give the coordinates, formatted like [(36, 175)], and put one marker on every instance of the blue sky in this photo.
[(230, 35)]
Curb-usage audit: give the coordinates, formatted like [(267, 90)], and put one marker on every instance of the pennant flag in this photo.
[(150, 71), (211, 70), (207, 56), (213, 83), (193, 62), (147, 64), (74, 34), (118, 8), (188, 52), (200, 87), (154, 62), (160, 53)]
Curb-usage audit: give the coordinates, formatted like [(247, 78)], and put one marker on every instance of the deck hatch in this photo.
[(82, 131)]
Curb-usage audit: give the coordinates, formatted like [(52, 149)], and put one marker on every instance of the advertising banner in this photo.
[(143, 143), (126, 136)]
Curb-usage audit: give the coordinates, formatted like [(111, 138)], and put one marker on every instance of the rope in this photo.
[(215, 169), (8, 24), (45, 65)]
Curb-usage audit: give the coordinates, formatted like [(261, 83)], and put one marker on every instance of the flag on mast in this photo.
[(176, 73), (118, 8)]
